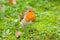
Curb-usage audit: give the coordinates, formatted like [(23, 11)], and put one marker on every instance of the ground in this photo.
[(46, 26)]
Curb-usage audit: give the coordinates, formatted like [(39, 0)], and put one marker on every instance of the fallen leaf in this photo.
[(12, 2), (17, 34), (2, 7)]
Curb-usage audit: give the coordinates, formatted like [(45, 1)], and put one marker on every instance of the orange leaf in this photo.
[(12, 2)]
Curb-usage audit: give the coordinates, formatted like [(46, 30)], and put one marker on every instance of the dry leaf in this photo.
[(12, 2), (2, 7), (17, 34)]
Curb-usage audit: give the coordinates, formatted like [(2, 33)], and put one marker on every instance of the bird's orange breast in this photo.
[(30, 16)]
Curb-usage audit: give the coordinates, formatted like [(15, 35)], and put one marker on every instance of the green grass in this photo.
[(46, 26)]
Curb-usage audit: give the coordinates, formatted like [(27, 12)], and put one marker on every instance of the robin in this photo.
[(28, 17)]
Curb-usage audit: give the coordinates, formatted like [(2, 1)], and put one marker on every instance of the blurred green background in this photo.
[(46, 26)]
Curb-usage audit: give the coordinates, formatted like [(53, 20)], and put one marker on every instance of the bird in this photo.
[(28, 17), (12, 2)]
